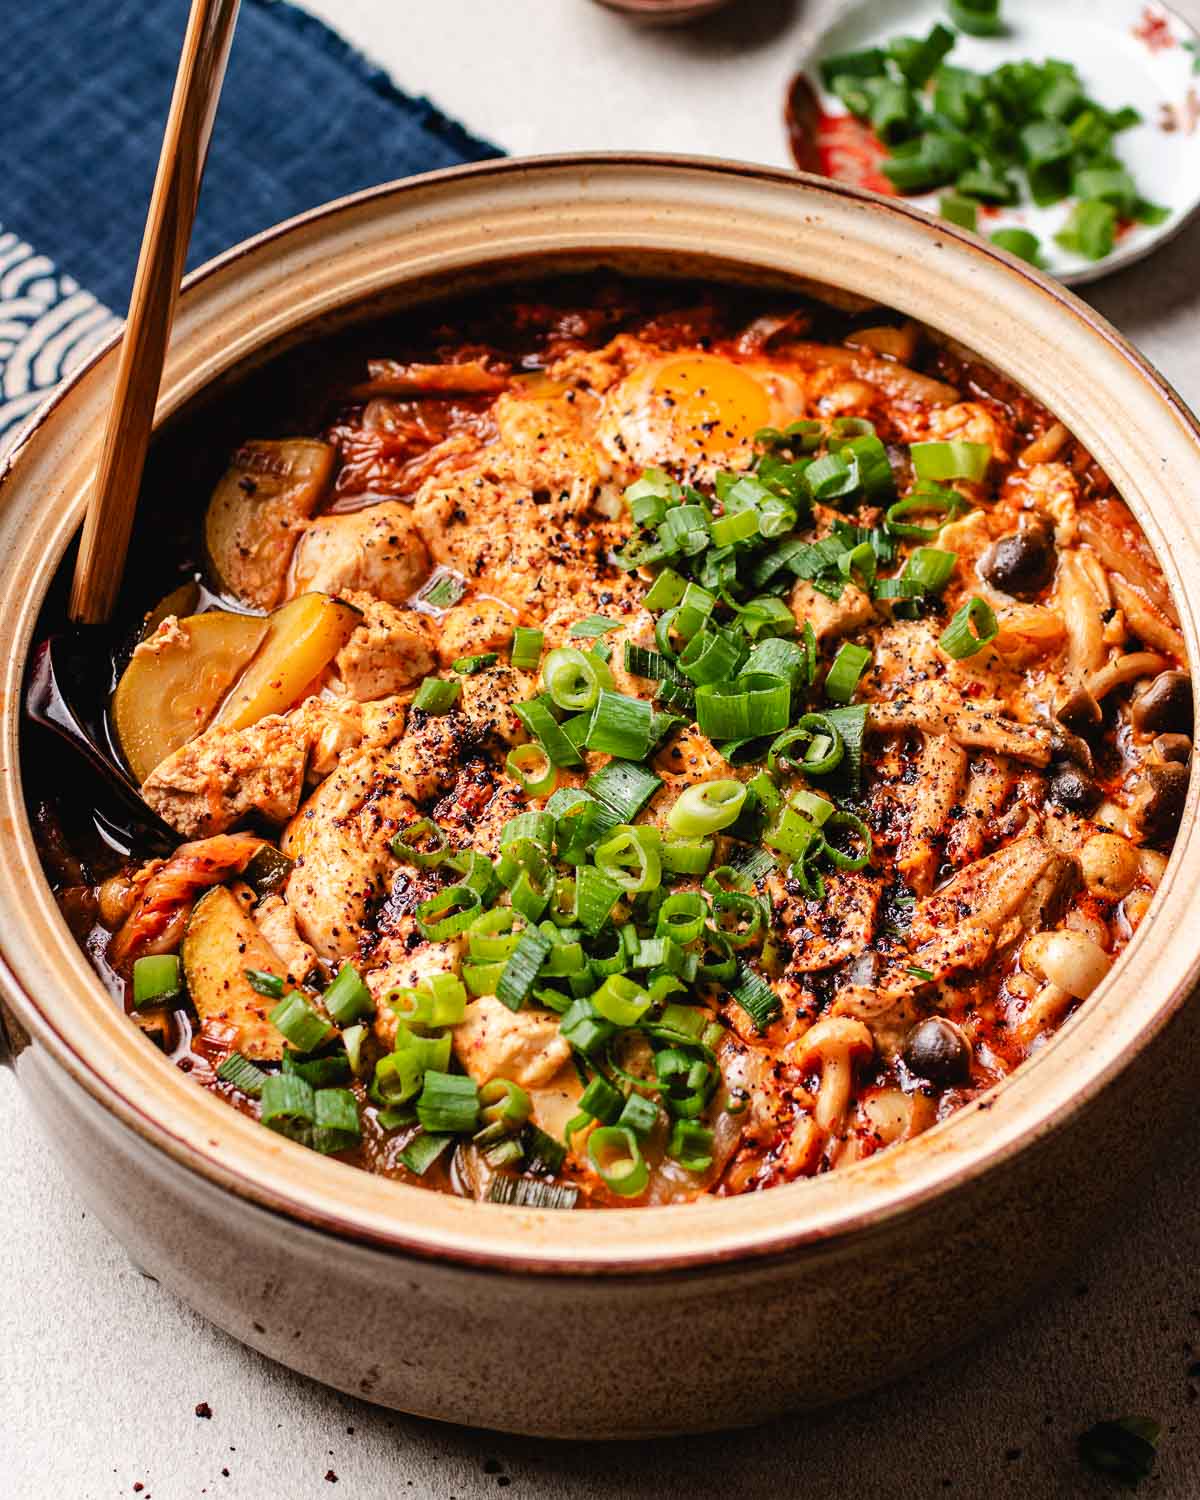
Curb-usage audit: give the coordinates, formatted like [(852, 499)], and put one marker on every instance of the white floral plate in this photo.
[(1126, 52)]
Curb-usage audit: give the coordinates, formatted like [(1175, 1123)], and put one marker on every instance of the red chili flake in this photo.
[(1155, 30), (330, 1477), (204, 1410)]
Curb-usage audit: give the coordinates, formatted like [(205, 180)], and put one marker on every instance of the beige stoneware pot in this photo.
[(627, 1322)]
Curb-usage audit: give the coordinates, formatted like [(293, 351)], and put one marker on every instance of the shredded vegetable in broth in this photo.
[(636, 742)]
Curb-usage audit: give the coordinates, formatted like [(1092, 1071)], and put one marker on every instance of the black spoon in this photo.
[(61, 695)]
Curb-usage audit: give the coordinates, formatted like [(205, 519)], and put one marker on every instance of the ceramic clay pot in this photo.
[(521, 1319)]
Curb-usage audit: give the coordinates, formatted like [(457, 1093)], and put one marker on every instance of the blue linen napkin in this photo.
[(84, 95)]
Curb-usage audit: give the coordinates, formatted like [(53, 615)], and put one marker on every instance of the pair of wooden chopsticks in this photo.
[(106, 531)]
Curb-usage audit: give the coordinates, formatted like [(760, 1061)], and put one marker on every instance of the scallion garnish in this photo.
[(448, 1102), (754, 995), (973, 627), (300, 1024), (521, 970), (593, 626), (526, 649), (348, 999), (469, 665), (437, 695), (442, 591), (848, 666), (288, 1106), (423, 1150), (158, 978), (242, 1074), (336, 1125), (529, 1192)]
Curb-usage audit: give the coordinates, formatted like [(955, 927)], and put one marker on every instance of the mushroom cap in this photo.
[(832, 1034)]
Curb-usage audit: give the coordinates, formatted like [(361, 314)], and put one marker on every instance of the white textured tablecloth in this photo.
[(101, 1370)]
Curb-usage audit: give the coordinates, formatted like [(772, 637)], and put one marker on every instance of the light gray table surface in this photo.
[(101, 1369)]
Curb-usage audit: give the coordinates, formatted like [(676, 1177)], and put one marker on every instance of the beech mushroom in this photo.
[(835, 1045)]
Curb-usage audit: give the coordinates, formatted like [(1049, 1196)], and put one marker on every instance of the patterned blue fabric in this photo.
[(87, 83)]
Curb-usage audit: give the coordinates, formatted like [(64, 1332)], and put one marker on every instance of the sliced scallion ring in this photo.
[(973, 627), (532, 769), (707, 807), (614, 1152), (421, 843)]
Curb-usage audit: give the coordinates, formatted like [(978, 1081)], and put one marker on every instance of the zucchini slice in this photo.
[(253, 518), (172, 687)]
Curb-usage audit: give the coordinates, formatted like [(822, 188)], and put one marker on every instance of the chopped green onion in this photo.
[(755, 706), (620, 1001), (957, 459), (706, 807), (573, 679), (442, 591), (850, 724), (972, 628), (584, 1028), (848, 666), (691, 1145), (1091, 229), (528, 1192), (261, 982), (288, 1106), (450, 912), (421, 843), (929, 499), (352, 1039), (959, 210), (242, 1074), (336, 1126), (630, 859), (158, 978), (299, 1023), (526, 649), (620, 726), (682, 916), (422, 1151), (320, 1072), (666, 591), (448, 1102), (754, 995), (1018, 242), (686, 855), (505, 1103), (601, 1100), (593, 627), (976, 17), (869, 63), (437, 695), (711, 656), (614, 1153), (348, 999), (930, 569), (522, 969), (851, 821), (638, 1114), (469, 665), (439, 1001), (532, 769), (537, 718), (624, 787)]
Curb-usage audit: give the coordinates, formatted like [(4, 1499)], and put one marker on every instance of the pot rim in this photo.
[(904, 1178)]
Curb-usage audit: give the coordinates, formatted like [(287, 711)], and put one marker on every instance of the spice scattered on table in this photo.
[(204, 1410)]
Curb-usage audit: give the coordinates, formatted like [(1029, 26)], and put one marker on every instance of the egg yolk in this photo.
[(709, 404)]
